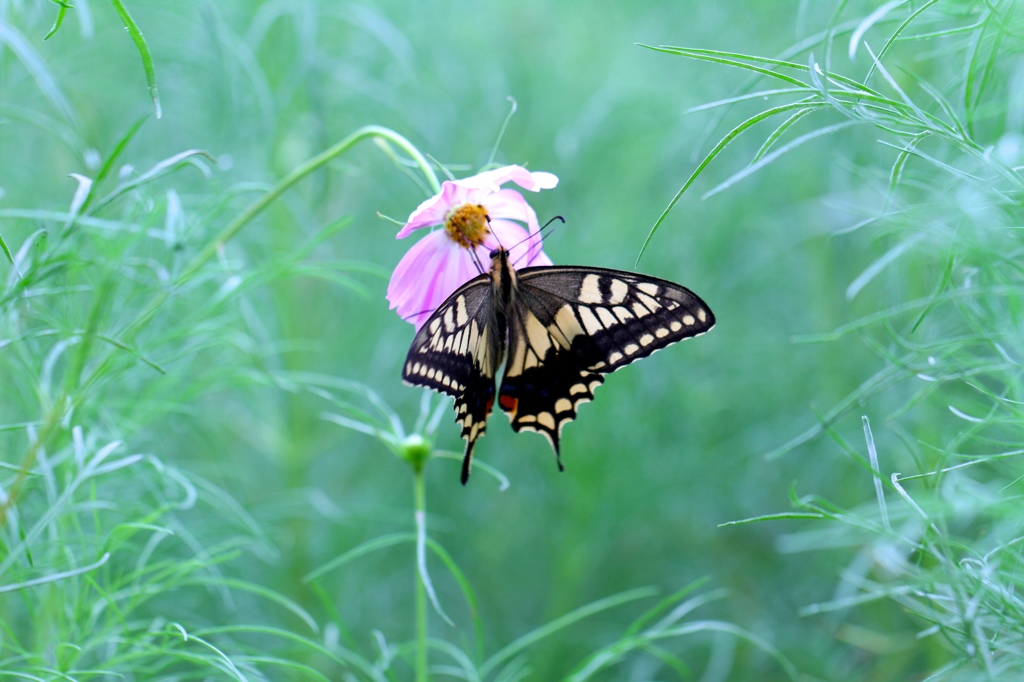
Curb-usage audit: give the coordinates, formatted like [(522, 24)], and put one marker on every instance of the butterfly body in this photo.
[(557, 329)]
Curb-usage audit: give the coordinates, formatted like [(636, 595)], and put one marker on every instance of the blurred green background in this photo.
[(671, 448)]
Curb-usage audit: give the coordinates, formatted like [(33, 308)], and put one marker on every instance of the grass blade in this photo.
[(108, 163), (143, 48), (563, 622), (896, 34), (765, 160), (63, 7), (722, 144), (6, 250), (868, 22), (37, 68)]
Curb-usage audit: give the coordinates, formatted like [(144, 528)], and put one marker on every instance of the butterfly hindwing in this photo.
[(569, 325), (457, 352), (547, 375)]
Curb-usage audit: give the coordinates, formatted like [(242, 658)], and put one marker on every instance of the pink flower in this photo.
[(476, 214)]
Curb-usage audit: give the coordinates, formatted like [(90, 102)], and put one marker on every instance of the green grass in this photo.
[(211, 470)]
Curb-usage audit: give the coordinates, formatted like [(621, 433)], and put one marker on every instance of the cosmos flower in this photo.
[(477, 216)]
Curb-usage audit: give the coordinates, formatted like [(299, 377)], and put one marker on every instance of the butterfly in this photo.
[(557, 329)]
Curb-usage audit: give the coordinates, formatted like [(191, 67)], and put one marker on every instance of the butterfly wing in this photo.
[(570, 325), (458, 352)]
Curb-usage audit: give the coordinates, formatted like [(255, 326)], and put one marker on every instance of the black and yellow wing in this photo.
[(458, 351), (565, 327), (569, 325)]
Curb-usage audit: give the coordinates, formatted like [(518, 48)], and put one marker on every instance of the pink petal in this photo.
[(494, 179), (434, 210), (539, 180), (509, 203), (427, 275), (474, 189), (436, 266), (411, 268)]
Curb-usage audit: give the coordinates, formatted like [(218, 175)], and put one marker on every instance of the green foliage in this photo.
[(944, 546), (186, 325)]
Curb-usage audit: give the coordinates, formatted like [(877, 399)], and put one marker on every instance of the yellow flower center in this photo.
[(467, 225)]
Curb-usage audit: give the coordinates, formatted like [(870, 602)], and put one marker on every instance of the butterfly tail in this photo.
[(467, 461)]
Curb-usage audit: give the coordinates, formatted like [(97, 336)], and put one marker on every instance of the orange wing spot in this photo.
[(508, 403), (490, 404)]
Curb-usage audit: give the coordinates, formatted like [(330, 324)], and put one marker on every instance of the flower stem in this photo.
[(420, 495), (257, 207), (300, 172)]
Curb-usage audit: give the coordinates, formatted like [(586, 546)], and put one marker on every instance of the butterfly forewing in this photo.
[(625, 315), (457, 352), (570, 325)]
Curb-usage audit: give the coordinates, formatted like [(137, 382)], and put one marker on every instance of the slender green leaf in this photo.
[(868, 22), (143, 48), (663, 605), (944, 282), (772, 517), (62, 7), (37, 68), (770, 141), (722, 144), (6, 250), (759, 95), (765, 160), (901, 161), (561, 623), (162, 168), (896, 35), (735, 59), (111, 160)]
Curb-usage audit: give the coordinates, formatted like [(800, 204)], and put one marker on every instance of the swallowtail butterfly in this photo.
[(556, 328)]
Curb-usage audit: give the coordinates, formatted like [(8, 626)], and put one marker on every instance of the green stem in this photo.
[(420, 495), (297, 174), (208, 252), (49, 427), (257, 207)]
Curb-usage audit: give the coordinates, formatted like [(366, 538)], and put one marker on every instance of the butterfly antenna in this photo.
[(495, 234), (545, 227), (476, 257), (539, 234), (476, 260), (414, 315)]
